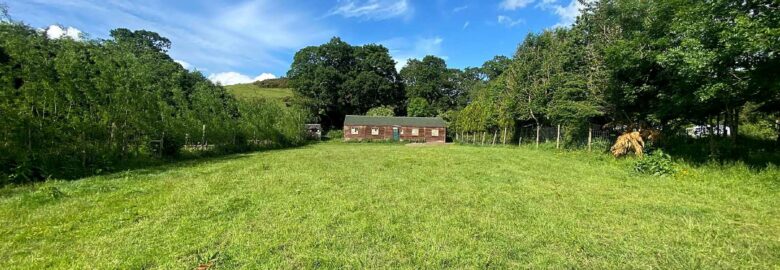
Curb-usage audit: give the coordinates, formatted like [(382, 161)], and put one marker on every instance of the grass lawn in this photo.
[(385, 205), (251, 92)]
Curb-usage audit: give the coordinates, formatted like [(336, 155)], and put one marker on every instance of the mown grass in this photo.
[(253, 92), (393, 206)]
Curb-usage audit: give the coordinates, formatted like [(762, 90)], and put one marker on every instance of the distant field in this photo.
[(250, 92), (337, 205)]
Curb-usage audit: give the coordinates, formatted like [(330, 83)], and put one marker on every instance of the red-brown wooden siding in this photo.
[(386, 133)]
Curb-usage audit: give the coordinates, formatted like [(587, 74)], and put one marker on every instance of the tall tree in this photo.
[(339, 79)]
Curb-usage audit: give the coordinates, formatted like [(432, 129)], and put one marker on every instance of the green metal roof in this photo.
[(361, 120)]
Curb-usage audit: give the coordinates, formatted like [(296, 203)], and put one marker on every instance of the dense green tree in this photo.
[(430, 79), (340, 79), (381, 111), (70, 108), (419, 107)]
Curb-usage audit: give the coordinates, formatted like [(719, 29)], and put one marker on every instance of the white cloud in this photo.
[(508, 21), (403, 49), (568, 14), (55, 32), (372, 9), (465, 25), (514, 4), (265, 76), (459, 9), (183, 63), (231, 78)]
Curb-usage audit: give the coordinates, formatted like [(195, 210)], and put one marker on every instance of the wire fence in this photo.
[(595, 137)]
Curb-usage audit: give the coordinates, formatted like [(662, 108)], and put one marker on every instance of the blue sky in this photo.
[(238, 41)]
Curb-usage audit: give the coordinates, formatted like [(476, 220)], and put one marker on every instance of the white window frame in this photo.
[(375, 131), (415, 132), (435, 132), (355, 131)]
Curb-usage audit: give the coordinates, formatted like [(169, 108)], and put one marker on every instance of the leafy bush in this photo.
[(381, 111), (658, 163), (335, 134)]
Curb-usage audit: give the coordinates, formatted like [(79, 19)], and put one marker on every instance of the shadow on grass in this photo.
[(755, 153), (145, 165)]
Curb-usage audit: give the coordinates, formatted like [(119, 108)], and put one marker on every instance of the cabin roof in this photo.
[(361, 120)]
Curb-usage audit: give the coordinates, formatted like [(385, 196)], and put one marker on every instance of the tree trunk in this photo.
[(495, 134), (483, 137), (505, 131), (558, 138)]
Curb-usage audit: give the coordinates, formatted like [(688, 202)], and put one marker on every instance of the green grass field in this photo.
[(252, 92), (393, 206)]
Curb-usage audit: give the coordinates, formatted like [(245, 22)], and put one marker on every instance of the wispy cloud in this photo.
[(372, 9), (466, 24), (567, 14), (508, 21), (514, 4), (403, 49), (459, 9), (212, 36)]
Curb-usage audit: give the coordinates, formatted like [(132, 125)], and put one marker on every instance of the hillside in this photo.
[(338, 205), (250, 91)]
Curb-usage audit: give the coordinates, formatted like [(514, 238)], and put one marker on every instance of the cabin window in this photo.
[(354, 131), (415, 132), (435, 132), (374, 131)]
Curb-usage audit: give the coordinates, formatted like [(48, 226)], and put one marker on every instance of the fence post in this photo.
[(590, 137), (520, 141), (503, 141), (203, 138), (538, 130), (483, 137), (495, 133), (558, 138)]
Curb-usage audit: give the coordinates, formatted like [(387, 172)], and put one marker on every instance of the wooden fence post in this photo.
[(590, 137), (538, 130), (483, 137), (520, 141), (203, 138), (558, 138), (495, 134)]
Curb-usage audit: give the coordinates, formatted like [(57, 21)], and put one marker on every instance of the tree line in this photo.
[(624, 63), (70, 108)]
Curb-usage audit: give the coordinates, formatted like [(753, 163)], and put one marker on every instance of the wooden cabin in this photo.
[(384, 128)]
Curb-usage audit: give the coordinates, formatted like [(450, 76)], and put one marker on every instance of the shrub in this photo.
[(335, 134), (658, 163)]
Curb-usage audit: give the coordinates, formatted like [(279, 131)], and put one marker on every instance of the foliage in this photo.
[(420, 107), (656, 163), (273, 83), (430, 79), (340, 79), (70, 108), (335, 134), (381, 111)]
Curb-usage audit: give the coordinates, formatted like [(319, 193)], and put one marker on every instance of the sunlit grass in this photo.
[(252, 92), (388, 206)]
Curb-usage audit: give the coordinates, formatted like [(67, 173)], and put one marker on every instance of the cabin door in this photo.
[(396, 134)]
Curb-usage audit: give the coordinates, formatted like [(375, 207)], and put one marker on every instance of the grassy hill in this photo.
[(336, 205), (250, 91)]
